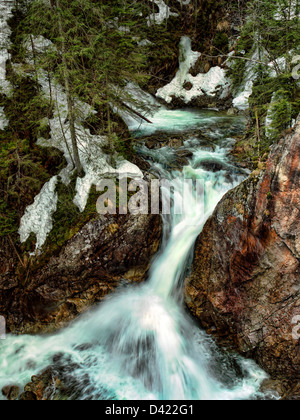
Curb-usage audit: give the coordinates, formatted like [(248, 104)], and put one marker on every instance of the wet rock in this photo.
[(293, 394), (53, 384), (43, 387), (232, 111), (61, 381), (152, 144), (108, 251), (11, 392), (184, 153), (28, 396), (188, 86), (175, 143), (212, 165), (160, 140), (183, 156), (141, 163), (273, 388), (211, 102), (281, 389), (245, 279)]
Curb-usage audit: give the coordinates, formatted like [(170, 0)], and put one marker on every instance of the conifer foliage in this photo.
[(94, 54), (271, 37)]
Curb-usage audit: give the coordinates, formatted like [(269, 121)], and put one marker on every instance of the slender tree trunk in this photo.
[(110, 138), (34, 59), (71, 116)]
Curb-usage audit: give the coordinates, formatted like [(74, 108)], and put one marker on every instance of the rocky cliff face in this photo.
[(106, 252), (245, 283)]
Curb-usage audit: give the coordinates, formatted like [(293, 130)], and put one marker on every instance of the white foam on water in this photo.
[(139, 343)]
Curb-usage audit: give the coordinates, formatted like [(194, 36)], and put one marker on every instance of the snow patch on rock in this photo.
[(212, 83), (38, 216), (3, 119), (163, 14), (95, 175), (145, 43), (241, 97)]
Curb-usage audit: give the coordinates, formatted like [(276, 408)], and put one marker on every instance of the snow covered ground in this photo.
[(38, 217)]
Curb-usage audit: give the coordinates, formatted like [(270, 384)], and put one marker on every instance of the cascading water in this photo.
[(140, 343)]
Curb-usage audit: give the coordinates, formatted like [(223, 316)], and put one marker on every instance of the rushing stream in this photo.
[(140, 343)]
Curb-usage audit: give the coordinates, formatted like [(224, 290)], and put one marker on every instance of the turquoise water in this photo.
[(184, 120), (140, 343)]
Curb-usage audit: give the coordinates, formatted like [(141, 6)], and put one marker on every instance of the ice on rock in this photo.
[(211, 83), (38, 216)]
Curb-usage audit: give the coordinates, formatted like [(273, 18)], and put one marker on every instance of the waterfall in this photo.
[(140, 343)]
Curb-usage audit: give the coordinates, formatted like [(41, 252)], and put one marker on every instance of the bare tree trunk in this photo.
[(76, 157)]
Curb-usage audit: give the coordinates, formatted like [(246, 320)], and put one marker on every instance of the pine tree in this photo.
[(66, 78), (97, 54), (272, 29)]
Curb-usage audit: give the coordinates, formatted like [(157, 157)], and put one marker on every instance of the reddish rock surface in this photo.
[(245, 283), (106, 252)]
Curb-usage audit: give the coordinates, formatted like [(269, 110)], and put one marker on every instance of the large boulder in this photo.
[(108, 251), (245, 281)]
